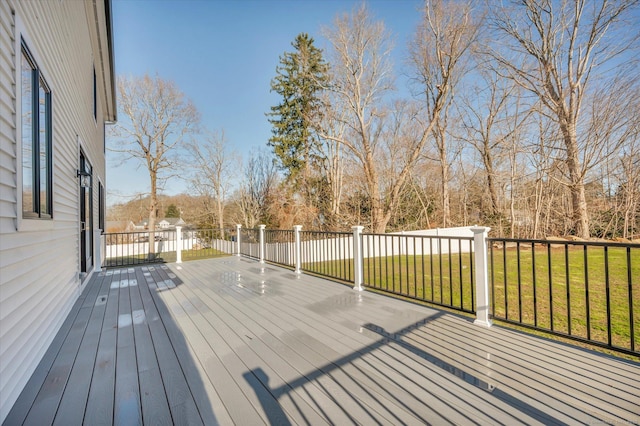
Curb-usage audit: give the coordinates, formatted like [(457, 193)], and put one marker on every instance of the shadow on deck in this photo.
[(233, 341)]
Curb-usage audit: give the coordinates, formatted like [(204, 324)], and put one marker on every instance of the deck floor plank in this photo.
[(315, 325), (153, 398), (274, 367), (218, 361), (45, 406), (74, 400), (99, 410), (205, 395), (232, 341), (359, 378), (127, 405), (588, 394), (22, 406), (180, 398)]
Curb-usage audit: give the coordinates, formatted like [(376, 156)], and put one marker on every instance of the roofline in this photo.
[(109, 24)]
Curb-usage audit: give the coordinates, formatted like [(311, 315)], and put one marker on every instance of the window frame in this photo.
[(95, 95), (102, 202), (42, 206)]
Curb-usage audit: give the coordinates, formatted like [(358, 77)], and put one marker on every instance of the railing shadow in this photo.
[(276, 412), (189, 385)]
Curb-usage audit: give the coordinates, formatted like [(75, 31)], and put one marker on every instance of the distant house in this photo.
[(119, 226), (140, 226), (56, 94), (166, 223), (170, 223)]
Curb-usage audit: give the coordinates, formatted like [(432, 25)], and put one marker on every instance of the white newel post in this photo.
[(178, 244), (97, 237), (238, 226), (297, 251), (357, 258), (262, 242), (482, 279)]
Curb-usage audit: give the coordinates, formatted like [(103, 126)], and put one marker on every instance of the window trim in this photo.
[(95, 95), (38, 82), (102, 205)]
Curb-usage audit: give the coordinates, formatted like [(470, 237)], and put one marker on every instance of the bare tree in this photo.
[(386, 140), (483, 111), (438, 55), (214, 165), (257, 191), (156, 118), (564, 45), (360, 79), (332, 164)]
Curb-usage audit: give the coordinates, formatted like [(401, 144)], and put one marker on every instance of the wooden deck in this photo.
[(231, 341)]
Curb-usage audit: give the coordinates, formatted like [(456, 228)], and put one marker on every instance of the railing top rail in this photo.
[(327, 232), (567, 242), (432, 237)]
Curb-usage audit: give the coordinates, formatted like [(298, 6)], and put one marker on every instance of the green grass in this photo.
[(446, 280), (561, 299), (165, 257)]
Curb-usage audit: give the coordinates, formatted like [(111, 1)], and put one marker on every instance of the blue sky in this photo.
[(223, 54)]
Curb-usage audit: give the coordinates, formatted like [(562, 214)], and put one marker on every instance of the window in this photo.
[(37, 188), (95, 95), (101, 206)]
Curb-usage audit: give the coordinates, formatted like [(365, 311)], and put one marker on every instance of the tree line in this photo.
[(523, 116)]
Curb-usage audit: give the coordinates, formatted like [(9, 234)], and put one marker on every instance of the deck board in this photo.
[(74, 400), (45, 406), (99, 410), (232, 341), (179, 395)]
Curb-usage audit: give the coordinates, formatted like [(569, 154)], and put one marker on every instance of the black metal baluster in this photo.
[(606, 275), (504, 276), (550, 284), (535, 284), (393, 266), (433, 294), (415, 270), (450, 274), (519, 283), (471, 275), (630, 286), (493, 278), (460, 270), (440, 256), (567, 278), (422, 269)]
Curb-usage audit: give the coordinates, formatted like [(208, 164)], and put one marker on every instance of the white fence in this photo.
[(322, 248), (328, 247)]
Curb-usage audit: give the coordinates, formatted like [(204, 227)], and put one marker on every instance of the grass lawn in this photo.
[(570, 291), (165, 257), (568, 297)]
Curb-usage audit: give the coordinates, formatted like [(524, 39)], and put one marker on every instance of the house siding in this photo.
[(39, 260)]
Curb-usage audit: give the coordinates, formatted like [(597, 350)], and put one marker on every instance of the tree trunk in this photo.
[(488, 164), (444, 178), (153, 206), (580, 214), (220, 216)]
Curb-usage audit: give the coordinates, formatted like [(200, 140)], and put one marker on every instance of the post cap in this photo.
[(479, 229)]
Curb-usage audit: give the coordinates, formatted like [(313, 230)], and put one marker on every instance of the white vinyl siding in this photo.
[(7, 122), (39, 260)]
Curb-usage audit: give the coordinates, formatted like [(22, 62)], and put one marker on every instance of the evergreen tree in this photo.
[(299, 80), (172, 211)]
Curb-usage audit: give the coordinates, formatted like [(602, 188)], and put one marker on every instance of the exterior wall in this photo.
[(39, 259)]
